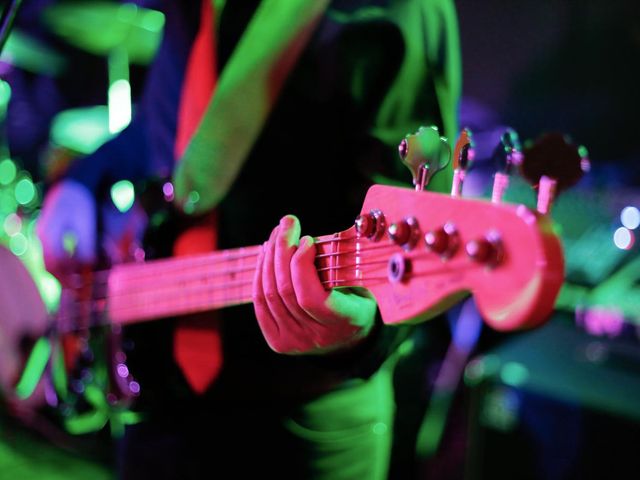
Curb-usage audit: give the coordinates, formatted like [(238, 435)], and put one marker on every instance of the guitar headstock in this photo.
[(421, 252)]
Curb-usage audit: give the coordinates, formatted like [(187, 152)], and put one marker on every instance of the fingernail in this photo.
[(286, 221), (306, 241)]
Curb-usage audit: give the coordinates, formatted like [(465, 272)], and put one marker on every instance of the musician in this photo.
[(310, 103)]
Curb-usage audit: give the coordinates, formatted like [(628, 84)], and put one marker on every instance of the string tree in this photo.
[(507, 155), (463, 156)]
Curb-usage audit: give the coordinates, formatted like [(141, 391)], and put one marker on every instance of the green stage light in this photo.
[(123, 195), (7, 171)]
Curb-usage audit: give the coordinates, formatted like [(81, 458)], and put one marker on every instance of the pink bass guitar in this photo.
[(417, 252)]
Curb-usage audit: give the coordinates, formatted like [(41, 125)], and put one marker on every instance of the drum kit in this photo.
[(121, 34)]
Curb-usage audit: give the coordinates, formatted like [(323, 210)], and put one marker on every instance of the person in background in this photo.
[(304, 106)]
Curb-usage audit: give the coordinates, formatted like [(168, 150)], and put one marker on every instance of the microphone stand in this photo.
[(6, 21)]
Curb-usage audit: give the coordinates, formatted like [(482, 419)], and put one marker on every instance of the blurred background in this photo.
[(561, 401)]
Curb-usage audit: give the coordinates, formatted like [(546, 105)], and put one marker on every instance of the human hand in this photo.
[(295, 312), (67, 228)]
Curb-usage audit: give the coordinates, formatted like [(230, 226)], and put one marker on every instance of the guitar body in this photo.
[(23, 318)]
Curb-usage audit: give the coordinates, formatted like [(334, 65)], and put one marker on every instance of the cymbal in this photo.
[(81, 129), (101, 27), (25, 52)]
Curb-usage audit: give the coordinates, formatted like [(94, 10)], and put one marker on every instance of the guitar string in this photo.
[(193, 278), (203, 277), (167, 265), (105, 321), (205, 284), (212, 295), (101, 277), (362, 280), (231, 299), (206, 262), (195, 306), (211, 290), (211, 258)]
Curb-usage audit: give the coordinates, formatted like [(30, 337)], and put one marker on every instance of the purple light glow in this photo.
[(167, 190), (122, 370), (601, 321)]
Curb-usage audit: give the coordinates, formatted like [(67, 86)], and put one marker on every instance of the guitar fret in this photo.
[(180, 285), (358, 262), (332, 262)]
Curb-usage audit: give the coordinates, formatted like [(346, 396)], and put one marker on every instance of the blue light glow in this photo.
[(623, 238), (630, 217)]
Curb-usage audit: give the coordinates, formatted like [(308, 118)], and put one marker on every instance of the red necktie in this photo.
[(197, 344)]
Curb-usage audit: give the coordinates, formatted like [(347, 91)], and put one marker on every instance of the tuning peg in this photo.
[(424, 153), (463, 155), (507, 153), (552, 164)]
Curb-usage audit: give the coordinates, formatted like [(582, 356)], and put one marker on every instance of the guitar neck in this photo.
[(182, 285), (416, 252)]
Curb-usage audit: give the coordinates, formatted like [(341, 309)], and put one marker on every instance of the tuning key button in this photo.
[(371, 225), (403, 149), (365, 225), (399, 232), (487, 250), (444, 241), (405, 232), (398, 268)]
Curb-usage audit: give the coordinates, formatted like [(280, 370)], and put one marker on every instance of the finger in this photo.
[(333, 330), (285, 246), (310, 292), (289, 327), (267, 323), (359, 307)]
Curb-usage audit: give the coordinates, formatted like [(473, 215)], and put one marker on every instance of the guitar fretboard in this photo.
[(197, 283)]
